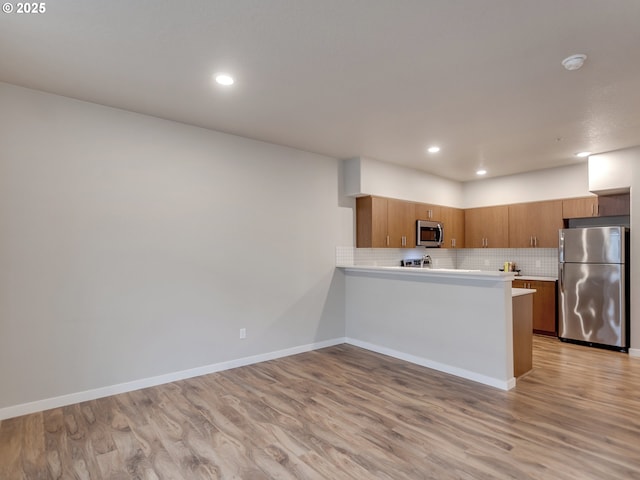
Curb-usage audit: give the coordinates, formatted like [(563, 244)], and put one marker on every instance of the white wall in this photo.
[(365, 176), (611, 172), (614, 172), (131, 247), (635, 255), (553, 183)]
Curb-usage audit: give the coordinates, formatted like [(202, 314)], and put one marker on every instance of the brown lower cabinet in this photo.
[(522, 336), (544, 305)]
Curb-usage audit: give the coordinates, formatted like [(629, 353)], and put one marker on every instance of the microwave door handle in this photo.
[(440, 233)]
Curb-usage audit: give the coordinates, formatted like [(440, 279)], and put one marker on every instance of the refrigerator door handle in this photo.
[(561, 266), (561, 247)]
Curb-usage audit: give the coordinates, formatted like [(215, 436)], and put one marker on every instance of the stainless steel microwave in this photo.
[(429, 233)]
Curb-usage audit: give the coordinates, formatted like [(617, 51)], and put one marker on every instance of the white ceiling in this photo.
[(376, 78)]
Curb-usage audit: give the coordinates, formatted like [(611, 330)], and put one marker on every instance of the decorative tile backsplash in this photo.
[(542, 262)]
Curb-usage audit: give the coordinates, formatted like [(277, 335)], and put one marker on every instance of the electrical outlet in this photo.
[(243, 333)]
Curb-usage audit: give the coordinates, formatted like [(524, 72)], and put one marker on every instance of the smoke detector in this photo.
[(574, 62)]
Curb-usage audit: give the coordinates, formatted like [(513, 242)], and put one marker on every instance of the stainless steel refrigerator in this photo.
[(593, 289)]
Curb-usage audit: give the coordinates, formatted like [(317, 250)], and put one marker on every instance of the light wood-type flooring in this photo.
[(346, 413)]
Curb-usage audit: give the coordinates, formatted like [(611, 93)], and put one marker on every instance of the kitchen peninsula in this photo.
[(455, 321)]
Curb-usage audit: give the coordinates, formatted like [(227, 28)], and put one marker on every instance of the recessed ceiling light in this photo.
[(583, 154), (574, 62), (433, 149), (224, 79), (482, 171)]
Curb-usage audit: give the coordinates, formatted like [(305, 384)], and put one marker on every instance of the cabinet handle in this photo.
[(535, 241), (404, 241), (387, 240), (487, 242)]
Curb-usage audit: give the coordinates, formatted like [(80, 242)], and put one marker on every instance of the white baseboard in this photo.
[(634, 352), (441, 367), (70, 399)]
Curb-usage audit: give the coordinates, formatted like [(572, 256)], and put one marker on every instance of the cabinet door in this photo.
[(544, 307), (548, 219), (453, 222), (424, 211), (371, 222), (401, 224), (609, 205), (520, 226), (518, 284), (580, 207), (473, 228), (497, 227), (487, 227), (535, 224)]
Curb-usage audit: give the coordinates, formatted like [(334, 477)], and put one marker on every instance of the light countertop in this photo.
[(457, 272), (487, 275), (532, 277), (516, 292)]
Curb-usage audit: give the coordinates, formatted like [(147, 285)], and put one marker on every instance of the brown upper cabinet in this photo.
[(384, 222), (371, 222), (580, 207), (486, 227), (391, 223), (535, 224), (401, 224), (609, 205), (387, 222), (453, 223), (596, 206), (428, 212)]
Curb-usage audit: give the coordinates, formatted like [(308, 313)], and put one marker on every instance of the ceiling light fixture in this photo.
[(574, 62), (433, 149), (582, 154), (481, 172), (224, 79)]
